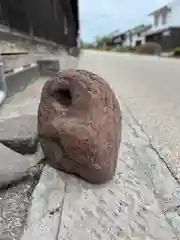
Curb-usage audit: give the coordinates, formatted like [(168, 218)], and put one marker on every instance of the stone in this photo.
[(20, 133), (79, 125), (14, 166)]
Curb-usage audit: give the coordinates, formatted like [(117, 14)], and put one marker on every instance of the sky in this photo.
[(101, 17)]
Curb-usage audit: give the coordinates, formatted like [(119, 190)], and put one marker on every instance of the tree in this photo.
[(103, 40)]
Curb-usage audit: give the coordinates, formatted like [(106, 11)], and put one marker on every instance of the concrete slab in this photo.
[(47, 205), (13, 166), (25, 102), (17, 82), (20, 134)]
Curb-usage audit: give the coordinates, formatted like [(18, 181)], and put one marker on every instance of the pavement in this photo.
[(143, 199)]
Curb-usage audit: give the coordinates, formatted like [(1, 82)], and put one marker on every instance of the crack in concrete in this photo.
[(162, 159), (62, 208), (151, 144)]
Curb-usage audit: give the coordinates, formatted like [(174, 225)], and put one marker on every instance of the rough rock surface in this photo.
[(20, 133), (79, 124)]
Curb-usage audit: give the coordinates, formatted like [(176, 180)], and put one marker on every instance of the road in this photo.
[(149, 87)]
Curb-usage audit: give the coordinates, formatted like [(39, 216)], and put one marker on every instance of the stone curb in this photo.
[(47, 204), (20, 134), (20, 69), (15, 166)]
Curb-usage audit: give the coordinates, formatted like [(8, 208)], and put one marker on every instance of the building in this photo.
[(52, 20), (132, 37), (136, 36), (165, 26)]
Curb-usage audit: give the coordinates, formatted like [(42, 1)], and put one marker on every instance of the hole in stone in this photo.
[(63, 96)]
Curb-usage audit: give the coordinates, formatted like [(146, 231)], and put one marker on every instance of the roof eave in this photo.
[(158, 11)]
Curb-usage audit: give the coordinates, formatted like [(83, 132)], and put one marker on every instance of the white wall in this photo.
[(136, 38), (173, 18), (160, 26), (126, 43)]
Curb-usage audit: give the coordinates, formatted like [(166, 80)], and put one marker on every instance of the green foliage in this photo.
[(87, 46), (103, 40), (117, 49), (176, 52), (177, 49), (102, 46)]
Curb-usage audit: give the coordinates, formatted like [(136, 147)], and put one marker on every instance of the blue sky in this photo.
[(99, 17)]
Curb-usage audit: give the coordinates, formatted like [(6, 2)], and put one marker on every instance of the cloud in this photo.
[(99, 17)]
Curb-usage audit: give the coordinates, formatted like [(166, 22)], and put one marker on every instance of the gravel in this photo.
[(14, 203)]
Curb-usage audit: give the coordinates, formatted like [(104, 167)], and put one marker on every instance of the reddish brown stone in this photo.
[(79, 124)]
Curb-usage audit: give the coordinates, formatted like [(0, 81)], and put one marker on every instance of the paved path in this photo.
[(150, 87)]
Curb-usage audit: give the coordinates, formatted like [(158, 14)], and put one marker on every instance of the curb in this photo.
[(9, 82), (3, 86), (20, 69), (18, 78)]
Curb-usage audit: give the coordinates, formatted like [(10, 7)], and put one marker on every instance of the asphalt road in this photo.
[(150, 88)]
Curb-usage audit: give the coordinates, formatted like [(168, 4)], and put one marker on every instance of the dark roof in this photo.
[(138, 29), (160, 10), (161, 30)]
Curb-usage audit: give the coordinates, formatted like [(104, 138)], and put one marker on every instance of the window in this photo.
[(166, 33), (123, 37), (65, 26), (130, 36), (164, 18), (156, 21)]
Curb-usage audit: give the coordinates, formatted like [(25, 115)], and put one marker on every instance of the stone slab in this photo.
[(15, 61), (14, 166), (47, 204), (20, 134), (18, 82)]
